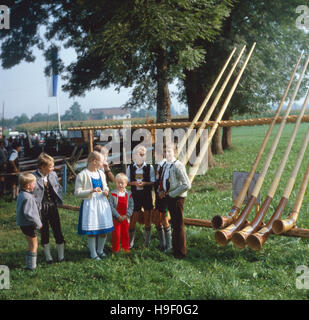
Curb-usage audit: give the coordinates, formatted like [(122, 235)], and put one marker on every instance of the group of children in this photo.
[(102, 212)]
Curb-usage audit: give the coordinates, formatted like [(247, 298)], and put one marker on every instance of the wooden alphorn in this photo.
[(223, 221), (224, 236), (239, 238)]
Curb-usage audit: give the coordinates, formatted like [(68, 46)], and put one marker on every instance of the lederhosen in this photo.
[(50, 216), (160, 204), (142, 198), (12, 179)]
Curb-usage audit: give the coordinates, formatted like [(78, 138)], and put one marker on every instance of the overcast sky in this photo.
[(23, 89)]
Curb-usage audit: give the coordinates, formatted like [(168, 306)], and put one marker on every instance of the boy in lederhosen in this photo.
[(48, 194), (141, 177)]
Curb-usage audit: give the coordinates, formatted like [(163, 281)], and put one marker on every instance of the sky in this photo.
[(23, 89)]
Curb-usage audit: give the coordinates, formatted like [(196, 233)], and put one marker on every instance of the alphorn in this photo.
[(224, 236), (204, 148), (239, 238), (282, 226), (256, 240), (203, 105), (192, 146), (222, 221)]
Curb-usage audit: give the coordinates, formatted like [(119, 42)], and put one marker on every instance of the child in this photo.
[(141, 177), (95, 218), (48, 194), (108, 173), (28, 217), (13, 167), (175, 185), (160, 212), (122, 206)]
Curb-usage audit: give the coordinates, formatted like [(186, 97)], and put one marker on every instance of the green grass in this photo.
[(208, 272)]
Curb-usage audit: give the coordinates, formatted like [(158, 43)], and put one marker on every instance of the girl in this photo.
[(95, 218), (122, 205)]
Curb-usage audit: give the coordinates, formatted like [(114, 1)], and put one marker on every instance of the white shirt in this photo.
[(44, 177), (140, 171), (14, 155), (167, 172)]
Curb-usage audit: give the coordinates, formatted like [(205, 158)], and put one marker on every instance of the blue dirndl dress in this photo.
[(95, 215)]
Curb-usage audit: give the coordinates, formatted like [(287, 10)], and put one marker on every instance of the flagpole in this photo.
[(59, 122)]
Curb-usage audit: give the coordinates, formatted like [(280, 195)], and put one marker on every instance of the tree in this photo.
[(75, 113), (272, 25), (140, 44)]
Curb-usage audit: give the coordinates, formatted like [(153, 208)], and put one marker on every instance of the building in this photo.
[(110, 113)]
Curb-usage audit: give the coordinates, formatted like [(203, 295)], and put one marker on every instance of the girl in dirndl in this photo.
[(95, 215)]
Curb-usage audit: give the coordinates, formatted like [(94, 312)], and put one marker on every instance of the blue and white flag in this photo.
[(52, 80), (52, 85)]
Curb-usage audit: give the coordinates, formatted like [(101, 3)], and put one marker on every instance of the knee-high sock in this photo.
[(147, 236), (131, 238), (31, 258), (101, 244), (60, 250), (91, 246), (168, 238), (47, 254), (161, 237)]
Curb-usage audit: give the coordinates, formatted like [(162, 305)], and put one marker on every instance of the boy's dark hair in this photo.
[(16, 144)]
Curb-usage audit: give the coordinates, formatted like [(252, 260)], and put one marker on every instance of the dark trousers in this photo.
[(176, 209), (50, 217)]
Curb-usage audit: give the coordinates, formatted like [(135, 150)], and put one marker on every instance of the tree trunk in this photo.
[(195, 94), (227, 133), (163, 95), (216, 145)]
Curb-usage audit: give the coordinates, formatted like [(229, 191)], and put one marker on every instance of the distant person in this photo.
[(13, 169), (48, 194), (95, 215), (122, 206), (108, 173), (3, 165), (28, 217)]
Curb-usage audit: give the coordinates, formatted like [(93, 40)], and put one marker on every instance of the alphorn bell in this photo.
[(224, 236), (255, 241), (239, 238), (282, 226), (192, 146), (205, 146), (220, 221), (202, 107)]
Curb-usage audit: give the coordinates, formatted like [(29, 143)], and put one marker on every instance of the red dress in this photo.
[(121, 229)]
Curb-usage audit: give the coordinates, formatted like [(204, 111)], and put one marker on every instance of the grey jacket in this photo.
[(179, 181), (38, 191), (113, 200), (27, 211)]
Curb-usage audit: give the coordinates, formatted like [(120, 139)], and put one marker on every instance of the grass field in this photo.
[(208, 272)]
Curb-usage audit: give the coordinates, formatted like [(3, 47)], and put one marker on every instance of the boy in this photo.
[(141, 177), (48, 194), (13, 167), (122, 206), (28, 217)]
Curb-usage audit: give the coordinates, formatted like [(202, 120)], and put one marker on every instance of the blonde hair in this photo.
[(121, 176), (25, 178), (94, 155), (45, 160), (101, 149)]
